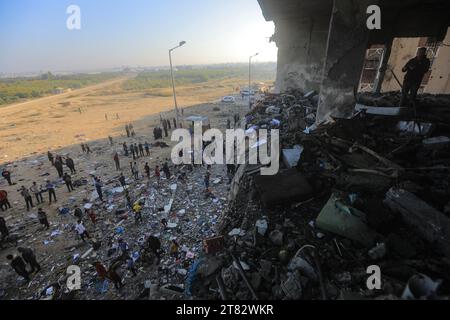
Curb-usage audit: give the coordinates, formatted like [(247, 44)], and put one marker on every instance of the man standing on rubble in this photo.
[(78, 213), (137, 209), (122, 180), (42, 216), (133, 152), (166, 170), (98, 187), (59, 167), (7, 175), (415, 70), (30, 258), (68, 180), (19, 266), (37, 192), (147, 170), (71, 165), (81, 230), (3, 229), (51, 191), (154, 244), (50, 157), (136, 150), (135, 171), (147, 148), (127, 129), (4, 202), (165, 128), (27, 196), (141, 149), (206, 180), (116, 161), (157, 174), (125, 149)]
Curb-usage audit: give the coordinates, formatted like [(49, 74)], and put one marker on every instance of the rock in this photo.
[(292, 156), (261, 226), (345, 221), (378, 252), (276, 237), (292, 287), (283, 187)]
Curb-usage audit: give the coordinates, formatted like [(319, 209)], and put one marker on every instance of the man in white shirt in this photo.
[(79, 227)]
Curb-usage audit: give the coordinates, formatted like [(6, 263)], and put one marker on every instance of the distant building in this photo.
[(58, 90)]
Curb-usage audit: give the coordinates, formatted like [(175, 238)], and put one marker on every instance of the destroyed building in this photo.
[(362, 183)]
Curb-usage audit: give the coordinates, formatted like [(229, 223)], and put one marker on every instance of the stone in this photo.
[(283, 187), (292, 156), (276, 237), (292, 287), (345, 221), (429, 223)]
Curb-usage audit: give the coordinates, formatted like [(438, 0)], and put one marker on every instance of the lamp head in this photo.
[(182, 43)]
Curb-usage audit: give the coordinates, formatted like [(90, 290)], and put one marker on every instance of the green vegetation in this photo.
[(185, 76), (15, 89)]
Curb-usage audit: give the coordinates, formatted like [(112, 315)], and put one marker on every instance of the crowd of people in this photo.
[(26, 263)]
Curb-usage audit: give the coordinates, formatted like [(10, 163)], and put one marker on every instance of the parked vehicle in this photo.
[(228, 99)]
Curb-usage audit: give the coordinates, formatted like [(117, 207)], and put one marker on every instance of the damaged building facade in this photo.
[(322, 44)]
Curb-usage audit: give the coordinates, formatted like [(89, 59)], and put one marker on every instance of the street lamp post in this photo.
[(173, 82), (250, 78)]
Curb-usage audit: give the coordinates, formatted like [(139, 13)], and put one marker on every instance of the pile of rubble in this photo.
[(350, 194), (190, 215)]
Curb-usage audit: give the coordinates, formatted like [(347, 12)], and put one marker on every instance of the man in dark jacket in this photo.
[(59, 167), (29, 257), (50, 157), (68, 180), (7, 175), (19, 266), (415, 70), (71, 165)]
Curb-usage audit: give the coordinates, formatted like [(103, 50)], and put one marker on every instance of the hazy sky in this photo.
[(115, 33)]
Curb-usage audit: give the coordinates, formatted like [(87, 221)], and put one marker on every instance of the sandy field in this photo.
[(53, 122)]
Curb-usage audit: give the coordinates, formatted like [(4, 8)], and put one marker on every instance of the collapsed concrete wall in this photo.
[(301, 50)]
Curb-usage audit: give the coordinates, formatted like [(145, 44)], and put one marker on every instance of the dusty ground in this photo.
[(53, 122), (64, 129)]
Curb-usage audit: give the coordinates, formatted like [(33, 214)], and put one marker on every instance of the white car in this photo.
[(245, 92), (228, 99)]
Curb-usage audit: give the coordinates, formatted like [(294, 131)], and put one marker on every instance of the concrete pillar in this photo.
[(382, 68), (301, 51), (347, 44)]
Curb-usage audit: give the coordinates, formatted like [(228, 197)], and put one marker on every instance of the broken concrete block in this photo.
[(276, 237), (384, 111), (283, 187), (292, 156), (213, 245), (273, 110), (345, 221), (430, 224), (261, 226), (378, 252), (415, 127), (292, 287), (436, 142)]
